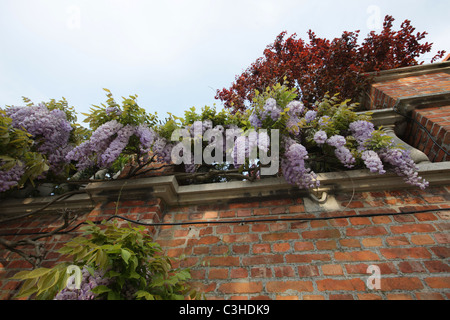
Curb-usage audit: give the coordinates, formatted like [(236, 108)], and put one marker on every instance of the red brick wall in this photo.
[(384, 94), (437, 123), (324, 259)]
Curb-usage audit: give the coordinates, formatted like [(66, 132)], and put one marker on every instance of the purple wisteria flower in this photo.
[(336, 141), (373, 162), (88, 282), (320, 137), (403, 166), (345, 157), (310, 116), (10, 178), (49, 128), (293, 166), (362, 131)]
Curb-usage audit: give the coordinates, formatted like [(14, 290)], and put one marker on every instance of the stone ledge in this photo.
[(168, 189), (393, 74)]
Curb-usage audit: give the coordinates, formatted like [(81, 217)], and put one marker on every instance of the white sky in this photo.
[(173, 54)]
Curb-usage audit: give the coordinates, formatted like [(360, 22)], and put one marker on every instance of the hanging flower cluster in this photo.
[(331, 137)]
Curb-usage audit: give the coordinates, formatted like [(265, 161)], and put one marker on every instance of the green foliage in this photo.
[(280, 92), (127, 255), (127, 113), (42, 283)]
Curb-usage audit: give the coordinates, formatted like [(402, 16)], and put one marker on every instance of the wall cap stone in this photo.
[(168, 189)]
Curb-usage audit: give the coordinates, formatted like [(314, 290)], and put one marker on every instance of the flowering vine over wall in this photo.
[(329, 136)]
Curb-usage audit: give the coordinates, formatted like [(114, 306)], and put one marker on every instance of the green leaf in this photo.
[(144, 294), (125, 255), (48, 282), (101, 289), (36, 273)]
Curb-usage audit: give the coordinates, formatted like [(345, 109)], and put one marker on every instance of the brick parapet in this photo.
[(279, 259)]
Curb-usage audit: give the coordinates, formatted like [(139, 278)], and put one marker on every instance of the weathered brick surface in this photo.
[(437, 122), (290, 259), (385, 94)]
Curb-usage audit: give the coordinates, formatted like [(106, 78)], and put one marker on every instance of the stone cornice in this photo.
[(173, 194), (393, 74)]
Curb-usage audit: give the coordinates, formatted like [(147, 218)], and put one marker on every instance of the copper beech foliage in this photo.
[(321, 65)]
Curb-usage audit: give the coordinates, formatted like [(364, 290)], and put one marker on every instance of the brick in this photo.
[(244, 213), (397, 241), (429, 296), (318, 224), (438, 282), (261, 211), (326, 245), (321, 234), (341, 285), (222, 261), (360, 221), (296, 209), (313, 297), (366, 231), (240, 287), (283, 286), (241, 229), (369, 296), (299, 258), (361, 268), (403, 283), (218, 273), (260, 227), (262, 259), (278, 226), (422, 239), (285, 271), (308, 271), (261, 248), (441, 252), (286, 298), (303, 246), (399, 296), (281, 247), (219, 250), (223, 229), (238, 273), (350, 243), (332, 269), (233, 238), (443, 238), (372, 242), (241, 249), (340, 297), (437, 266), (411, 267), (275, 202), (243, 205), (261, 272), (280, 236), (411, 228), (208, 240), (405, 253), (356, 256)]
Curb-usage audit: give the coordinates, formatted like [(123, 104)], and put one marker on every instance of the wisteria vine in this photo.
[(329, 137)]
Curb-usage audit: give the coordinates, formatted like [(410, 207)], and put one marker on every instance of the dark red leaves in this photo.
[(322, 65)]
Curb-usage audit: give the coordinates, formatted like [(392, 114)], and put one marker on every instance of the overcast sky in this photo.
[(173, 54)]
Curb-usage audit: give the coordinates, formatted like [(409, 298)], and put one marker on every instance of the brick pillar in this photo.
[(437, 122)]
